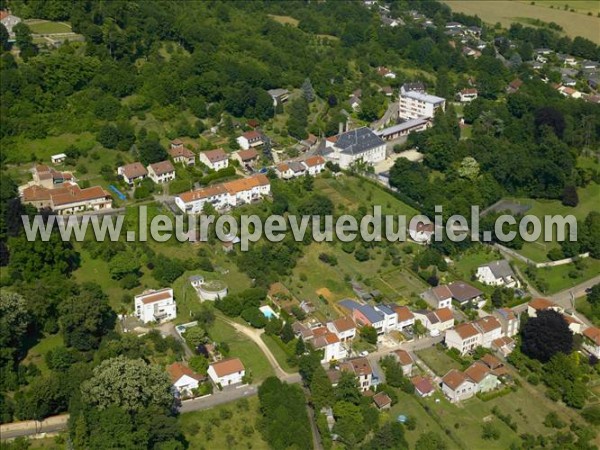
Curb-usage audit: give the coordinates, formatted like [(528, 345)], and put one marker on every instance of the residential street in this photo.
[(218, 398)]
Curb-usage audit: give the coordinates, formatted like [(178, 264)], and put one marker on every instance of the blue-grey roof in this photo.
[(427, 98), (370, 313), (385, 309), (349, 304), (358, 141), (402, 126)]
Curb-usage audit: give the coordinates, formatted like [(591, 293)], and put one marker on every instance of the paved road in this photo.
[(31, 427), (218, 398), (391, 113)]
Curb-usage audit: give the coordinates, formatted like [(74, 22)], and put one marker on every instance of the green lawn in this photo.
[(240, 346), (24, 150), (588, 201), (37, 353), (46, 27), (437, 360), (279, 353), (559, 278), (231, 426), (410, 406)]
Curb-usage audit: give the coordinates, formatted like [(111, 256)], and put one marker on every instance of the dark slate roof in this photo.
[(358, 141), (349, 304), (370, 313)]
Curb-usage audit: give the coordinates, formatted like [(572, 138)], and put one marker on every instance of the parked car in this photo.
[(364, 353)]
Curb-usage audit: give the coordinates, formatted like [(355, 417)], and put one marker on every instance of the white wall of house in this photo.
[(591, 347), (225, 380), (466, 390), (148, 312), (160, 178), (454, 340), (216, 165), (185, 384)]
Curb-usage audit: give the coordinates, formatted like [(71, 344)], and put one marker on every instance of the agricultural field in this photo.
[(507, 12), (231, 426)]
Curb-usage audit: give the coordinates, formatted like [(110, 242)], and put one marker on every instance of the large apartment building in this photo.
[(359, 145), (416, 104), (230, 194)]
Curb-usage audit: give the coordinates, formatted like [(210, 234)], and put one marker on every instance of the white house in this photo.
[(390, 318), (438, 297), (58, 158), (184, 379), (290, 169), (279, 95), (414, 104), (161, 172), (132, 172), (457, 386), (9, 21), (361, 368), (508, 320), (215, 159), (196, 281), (155, 306), (314, 164), (438, 320), (250, 139), (67, 199), (405, 360), (386, 73), (227, 371), (344, 328), (332, 347), (467, 336), (591, 341), (229, 194), (464, 337), (405, 316), (359, 145), (467, 95), (246, 157), (180, 154), (497, 273)]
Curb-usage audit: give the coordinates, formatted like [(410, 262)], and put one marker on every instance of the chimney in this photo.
[(341, 128)]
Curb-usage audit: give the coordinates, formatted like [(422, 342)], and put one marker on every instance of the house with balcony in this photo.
[(155, 306)]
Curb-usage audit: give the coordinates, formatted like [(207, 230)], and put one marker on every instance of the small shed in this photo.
[(58, 158)]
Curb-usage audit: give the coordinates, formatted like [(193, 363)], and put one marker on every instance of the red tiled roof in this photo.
[(251, 135), (454, 378), (75, 194), (403, 357), (216, 155), (442, 292), (488, 323), (134, 170), (541, 303), (466, 330), (422, 384), (177, 152), (344, 324), (381, 399), (154, 296), (359, 366), (177, 370), (491, 361), (444, 314), (160, 168), (227, 367), (313, 161), (403, 313), (246, 155), (502, 342), (477, 371), (593, 334)]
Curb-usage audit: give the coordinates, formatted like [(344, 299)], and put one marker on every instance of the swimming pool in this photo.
[(268, 311)]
